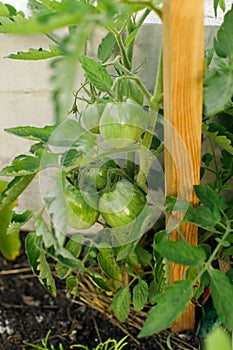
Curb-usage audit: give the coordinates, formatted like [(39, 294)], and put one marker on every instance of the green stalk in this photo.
[(215, 252), (154, 103), (132, 28)]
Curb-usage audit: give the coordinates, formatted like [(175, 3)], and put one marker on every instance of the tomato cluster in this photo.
[(104, 189)]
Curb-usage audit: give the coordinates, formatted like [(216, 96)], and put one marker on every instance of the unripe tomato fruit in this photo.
[(122, 123), (99, 175), (122, 205), (91, 116), (80, 214)]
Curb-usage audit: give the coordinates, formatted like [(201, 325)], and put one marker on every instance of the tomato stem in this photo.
[(154, 103)]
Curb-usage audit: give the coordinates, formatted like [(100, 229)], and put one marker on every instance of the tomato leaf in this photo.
[(33, 133), (144, 257), (9, 243), (106, 48), (37, 54), (18, 219), (108, 263), (67, 259), (223, 44), (96, 74), (170, 305), (22, 165), (121, 304), (210, 198), (218, 90), (100, 281), (14, 189), (70, 134), (72, 285), (140, 295), (42, 230), (220, 135), (4, 12), (74, 247), (202, 217), (181, 253), (222, 291), (38, 262)]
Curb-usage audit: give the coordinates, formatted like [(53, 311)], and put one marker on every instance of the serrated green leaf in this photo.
[(4, 12), (37, 54), (22, 165), (71, 134), (220, 135), (218, 90), (170, 305), (96, 74), (74, 247), (47, 22), (72, 285), (40, 267), (56, 206), (108, 264), (121, 304), (14, 189), (181, 253), (106, 48), (210, 198), (100, 281), (125, 250), (9, 243), (202, 217), (140, 295), (45, 276), (18, 219), (42, 230), (222, 291), (144, 257), (33, 133), (32, 251), (68, 260), (223, 44), (43, 6)]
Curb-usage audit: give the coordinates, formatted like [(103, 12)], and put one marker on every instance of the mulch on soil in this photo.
[(28, 312)]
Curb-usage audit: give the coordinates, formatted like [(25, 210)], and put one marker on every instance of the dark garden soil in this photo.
[(28, 312)]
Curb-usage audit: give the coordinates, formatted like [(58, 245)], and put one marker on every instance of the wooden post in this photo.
[(183, 60)]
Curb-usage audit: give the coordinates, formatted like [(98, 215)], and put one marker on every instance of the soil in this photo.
[(28, 312)]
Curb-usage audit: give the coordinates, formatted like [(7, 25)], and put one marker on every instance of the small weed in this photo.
[(110, 344)]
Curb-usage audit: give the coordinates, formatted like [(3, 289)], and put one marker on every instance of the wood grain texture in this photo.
[(183, 60)]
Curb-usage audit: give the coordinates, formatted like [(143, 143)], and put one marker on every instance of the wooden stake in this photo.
[(183, 57)]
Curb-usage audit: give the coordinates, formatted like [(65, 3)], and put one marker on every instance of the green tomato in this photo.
[(81, 208), (99, 175), (122, 205), (91, 116), (123, 123)]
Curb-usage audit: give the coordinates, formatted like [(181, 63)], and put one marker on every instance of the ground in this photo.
[(28, 312)]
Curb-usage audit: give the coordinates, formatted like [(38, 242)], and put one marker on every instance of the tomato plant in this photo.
[(102, 153)]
